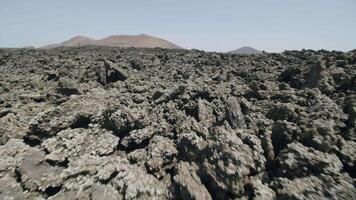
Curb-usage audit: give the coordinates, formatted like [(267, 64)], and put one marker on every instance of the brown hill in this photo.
[(75, 41), (142, 40)]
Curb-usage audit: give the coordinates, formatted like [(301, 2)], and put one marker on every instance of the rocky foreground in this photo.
[(111, 123)]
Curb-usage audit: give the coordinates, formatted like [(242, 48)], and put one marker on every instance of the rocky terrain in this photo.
[(115, 123)]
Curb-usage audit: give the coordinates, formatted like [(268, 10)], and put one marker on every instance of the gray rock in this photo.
[(283, 133), (234, 114), (311, 187), (11, 189), (72, 143), (190, 185), (229, 160), (39, 175), (128, 119), (283, 111), (298, 161), (135, 183), (11, 127), (96, 122), (105, 192), (205, 113), (75, 113), (138, 156), (350, 109), (161, 153), (261, 191), (137, 137), (12, 155)]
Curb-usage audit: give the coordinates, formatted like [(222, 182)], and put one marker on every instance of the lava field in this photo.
[(128, 123)]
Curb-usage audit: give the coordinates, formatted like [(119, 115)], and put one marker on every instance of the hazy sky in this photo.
[(271, 25)]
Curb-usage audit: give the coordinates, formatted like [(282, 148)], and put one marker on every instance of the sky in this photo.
[(270, 25)]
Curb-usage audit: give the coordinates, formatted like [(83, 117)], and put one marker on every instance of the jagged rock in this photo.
[(71, 195), (136, 138), (283, 111), (67, 87), (191, 138), (128, 119), (110, 73), (314, 74), (191, 145), (36, 97), (350, 109), (97, 122), (348, 156), (75, 113), (245, 105), (190, 185), (298, 161), (11, 127), (87, 177), (138, 156), (87, 171), (137, 86), (37, 174), (135, 183), (105, 192), (266, 142), (321, 135), (261, 191), (161, 152), (234, 114), (228, 162), (283, 133), (72, 143), (13, 153), (312, 187), (11, 189), (205, 113)]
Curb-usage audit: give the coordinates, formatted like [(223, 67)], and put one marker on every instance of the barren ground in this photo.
[(113, 123)]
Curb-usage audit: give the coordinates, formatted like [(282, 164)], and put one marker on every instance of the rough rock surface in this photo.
[(116, 123)]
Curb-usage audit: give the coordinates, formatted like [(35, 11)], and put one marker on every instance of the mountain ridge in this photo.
[(140, 41)]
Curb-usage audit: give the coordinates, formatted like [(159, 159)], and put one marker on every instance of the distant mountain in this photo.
[(28, 47), (245, 51), (142, 40), (75, 41)]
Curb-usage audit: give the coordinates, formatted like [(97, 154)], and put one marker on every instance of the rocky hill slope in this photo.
[(113, 123), (73, 42), (141, 41)]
